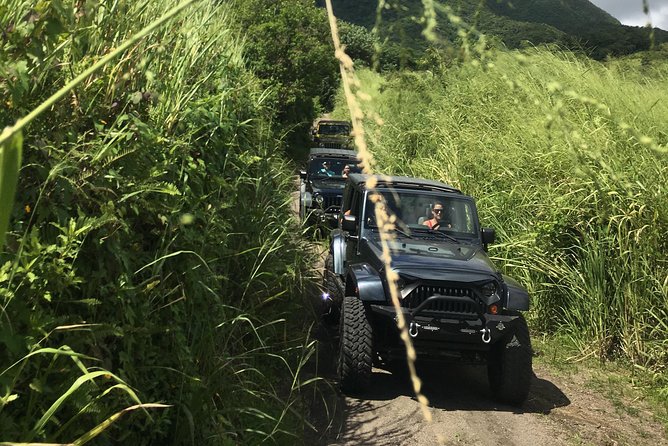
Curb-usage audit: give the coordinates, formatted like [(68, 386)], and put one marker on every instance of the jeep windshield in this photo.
[(334, 168), (334, 129), (427, 214)]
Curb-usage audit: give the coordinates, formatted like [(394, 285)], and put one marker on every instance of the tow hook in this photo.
[(413, 329), (486, 335)]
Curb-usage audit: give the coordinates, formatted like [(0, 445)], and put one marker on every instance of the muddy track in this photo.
[(559, 411)]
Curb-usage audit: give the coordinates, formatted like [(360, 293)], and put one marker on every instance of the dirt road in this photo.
[(560, 410)]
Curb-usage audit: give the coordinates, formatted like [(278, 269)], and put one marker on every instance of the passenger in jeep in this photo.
[(326, 169), (438, 219)]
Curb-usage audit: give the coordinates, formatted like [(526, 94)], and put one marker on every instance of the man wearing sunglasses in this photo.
[(438, 217)]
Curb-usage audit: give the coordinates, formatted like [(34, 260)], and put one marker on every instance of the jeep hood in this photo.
[(437, 259)]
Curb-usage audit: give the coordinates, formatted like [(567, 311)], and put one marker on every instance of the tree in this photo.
[(360, 43), (289, 47)]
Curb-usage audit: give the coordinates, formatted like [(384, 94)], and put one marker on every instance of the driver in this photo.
[(325, 169), (438, 217)]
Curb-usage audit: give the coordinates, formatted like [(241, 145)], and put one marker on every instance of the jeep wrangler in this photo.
[(332, 134), (322, 183), (457, 305)]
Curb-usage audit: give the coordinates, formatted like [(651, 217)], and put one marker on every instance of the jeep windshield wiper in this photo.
[(428, 231), (400, 231)]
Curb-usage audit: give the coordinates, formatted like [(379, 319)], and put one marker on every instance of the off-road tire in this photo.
[(355, 347), (509, 365)]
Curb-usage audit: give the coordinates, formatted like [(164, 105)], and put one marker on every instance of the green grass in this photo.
[(151, 237)]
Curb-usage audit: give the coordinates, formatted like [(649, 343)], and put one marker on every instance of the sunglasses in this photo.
[(438, 211)]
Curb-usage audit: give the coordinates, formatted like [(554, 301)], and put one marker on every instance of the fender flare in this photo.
[(364, 281), (337, 248), (517, 297), (308, 199), (302, 192)]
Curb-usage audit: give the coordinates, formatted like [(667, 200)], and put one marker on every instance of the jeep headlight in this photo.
[(319, 199), (490, 292)]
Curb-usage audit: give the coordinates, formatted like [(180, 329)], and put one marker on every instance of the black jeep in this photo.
[(322, 184), (457, 305), (332, 134)]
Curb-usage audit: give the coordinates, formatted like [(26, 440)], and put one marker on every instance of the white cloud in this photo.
[(630, 12)]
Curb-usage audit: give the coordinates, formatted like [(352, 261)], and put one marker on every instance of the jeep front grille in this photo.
[(423, 292), (332, 145), (332, 203)]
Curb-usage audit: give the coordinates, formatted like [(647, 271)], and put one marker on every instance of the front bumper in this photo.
[(328, 217), (434, 332)]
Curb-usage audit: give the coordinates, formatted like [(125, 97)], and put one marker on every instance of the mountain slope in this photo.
[(575, 24), (572, 16)]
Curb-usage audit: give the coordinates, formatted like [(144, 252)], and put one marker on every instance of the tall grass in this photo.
[(567, 159), (151, 242)]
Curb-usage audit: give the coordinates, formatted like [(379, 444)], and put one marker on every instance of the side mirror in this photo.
[(488, 236), (349, 224), (302, 174)]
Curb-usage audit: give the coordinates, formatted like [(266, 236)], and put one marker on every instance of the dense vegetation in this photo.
[(574, 24), (567, 159), (152, 254), (288, 45)]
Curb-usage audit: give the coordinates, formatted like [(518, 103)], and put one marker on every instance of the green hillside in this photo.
[(588, 25), (571, 16), (573, 24)]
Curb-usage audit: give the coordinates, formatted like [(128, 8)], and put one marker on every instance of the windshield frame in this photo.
[(314, 164), (341, 129), (417, 232)]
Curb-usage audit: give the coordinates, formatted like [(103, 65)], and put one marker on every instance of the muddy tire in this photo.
[(509, 366), (355, 347)]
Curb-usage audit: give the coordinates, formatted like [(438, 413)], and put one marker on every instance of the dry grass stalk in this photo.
[(385, 221)]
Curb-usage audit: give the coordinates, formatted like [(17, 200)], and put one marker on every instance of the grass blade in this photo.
[(97, 430), (73, 388), (66, 351), (10, 163)]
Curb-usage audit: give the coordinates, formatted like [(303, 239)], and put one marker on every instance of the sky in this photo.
[(629, 12)]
